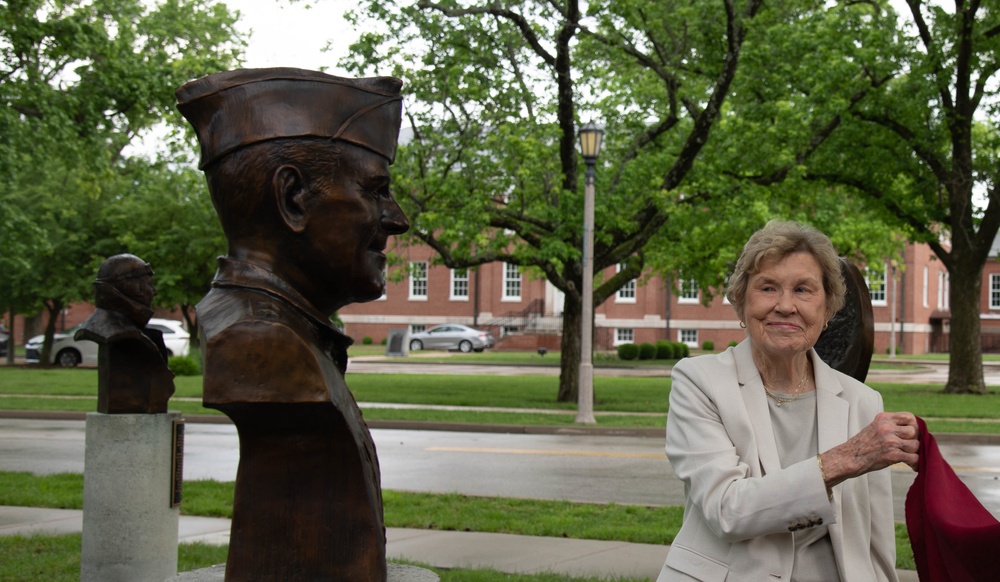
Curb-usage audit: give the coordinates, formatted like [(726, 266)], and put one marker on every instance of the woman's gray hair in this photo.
[(777, 240)]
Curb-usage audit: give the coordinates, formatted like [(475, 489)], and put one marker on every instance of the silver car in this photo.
[(69, 352), (451, 336)]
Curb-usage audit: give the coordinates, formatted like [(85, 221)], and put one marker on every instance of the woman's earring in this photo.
[(743, 324), (826, 325)]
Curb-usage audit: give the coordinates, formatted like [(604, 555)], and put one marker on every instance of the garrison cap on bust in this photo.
[(233, 109)]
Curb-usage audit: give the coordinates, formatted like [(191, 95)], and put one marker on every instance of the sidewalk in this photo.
[(442, 549)]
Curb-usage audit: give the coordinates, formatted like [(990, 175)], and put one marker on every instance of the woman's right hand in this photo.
[(891, 438)]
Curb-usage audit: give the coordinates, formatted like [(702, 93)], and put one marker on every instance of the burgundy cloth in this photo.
[(954, 538)]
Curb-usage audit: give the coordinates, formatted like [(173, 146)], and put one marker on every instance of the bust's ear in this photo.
[(289, 190)]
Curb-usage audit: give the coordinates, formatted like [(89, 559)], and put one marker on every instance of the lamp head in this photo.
[(590, 142)]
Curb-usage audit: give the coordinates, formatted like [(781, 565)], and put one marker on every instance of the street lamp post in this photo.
[(590, 147)]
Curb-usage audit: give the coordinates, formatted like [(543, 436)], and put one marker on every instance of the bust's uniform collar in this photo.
[(237, 273)]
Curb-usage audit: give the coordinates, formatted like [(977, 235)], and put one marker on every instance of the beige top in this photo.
[(796, 436)]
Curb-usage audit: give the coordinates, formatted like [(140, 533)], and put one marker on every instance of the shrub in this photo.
[(708, 345), (628, 351), (664, 350), (647, 351), (384, 341), (734, 343), (183, 366), (367, 340), (681, 350)]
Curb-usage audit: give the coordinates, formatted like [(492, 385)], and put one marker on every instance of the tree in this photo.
[(168, 220), (495, 100), (80, 81), (910, 124)]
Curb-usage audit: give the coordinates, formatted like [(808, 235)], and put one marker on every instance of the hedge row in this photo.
[(661, 350)]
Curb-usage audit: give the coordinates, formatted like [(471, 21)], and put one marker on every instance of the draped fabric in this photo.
[(954, 538)]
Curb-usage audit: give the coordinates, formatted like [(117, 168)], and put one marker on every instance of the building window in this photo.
[(942, 296), (624, 335), (926, 280), (626, 293), (995, 291), (689, 337), (418, 280), (506, 330), (876, 286), (688, 292), (511, 282), (459, 284), (417, 327)]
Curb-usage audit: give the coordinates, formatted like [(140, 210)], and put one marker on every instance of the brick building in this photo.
[(525, 313)]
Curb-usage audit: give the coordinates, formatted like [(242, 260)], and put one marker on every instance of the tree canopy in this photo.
[(904, 119), (80, 81), (497, 91)]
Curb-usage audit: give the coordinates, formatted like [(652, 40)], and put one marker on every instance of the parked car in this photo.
[(451, 336), (69, 352), (4, 336)]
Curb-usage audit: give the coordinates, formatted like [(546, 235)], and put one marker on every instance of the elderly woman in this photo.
[(781, 455)]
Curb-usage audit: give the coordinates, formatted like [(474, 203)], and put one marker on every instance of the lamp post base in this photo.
[(585, 406)]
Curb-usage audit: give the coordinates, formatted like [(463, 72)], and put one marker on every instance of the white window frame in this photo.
[(511, 283), (459, 283), (687, 288), (926, 285), (877, 287), (624, 335), (688, 337), (943, 300), (385, 284), (626, 293), (418, 280)]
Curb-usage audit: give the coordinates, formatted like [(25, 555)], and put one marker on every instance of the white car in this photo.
[(69, 352)]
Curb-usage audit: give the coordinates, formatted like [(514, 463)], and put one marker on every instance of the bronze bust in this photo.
[(297, 164), (132, 372)]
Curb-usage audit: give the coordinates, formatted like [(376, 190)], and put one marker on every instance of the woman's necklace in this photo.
[(779, 400)]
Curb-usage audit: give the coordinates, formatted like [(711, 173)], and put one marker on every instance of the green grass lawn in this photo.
[(451, 512), (57, 559), (618, 400)]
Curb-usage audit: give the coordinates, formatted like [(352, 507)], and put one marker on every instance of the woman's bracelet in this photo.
[(819, 461)]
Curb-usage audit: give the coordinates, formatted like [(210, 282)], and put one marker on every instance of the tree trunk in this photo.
[(965, 370), (187, 312), (569, 361), (10, 340), (53, 308)]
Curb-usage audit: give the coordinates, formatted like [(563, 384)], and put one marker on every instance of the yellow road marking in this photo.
[(554, 453)]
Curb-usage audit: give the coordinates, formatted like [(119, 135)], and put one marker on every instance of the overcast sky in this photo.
[(287, 34)]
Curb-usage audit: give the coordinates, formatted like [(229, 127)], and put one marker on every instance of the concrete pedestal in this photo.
[(129, 526), (397, 573)]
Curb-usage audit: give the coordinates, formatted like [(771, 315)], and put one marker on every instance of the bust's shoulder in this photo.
[(226, 310), (106, 327), (259, 349)]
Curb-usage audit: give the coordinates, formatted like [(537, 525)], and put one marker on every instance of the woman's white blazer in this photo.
[(742, 507)]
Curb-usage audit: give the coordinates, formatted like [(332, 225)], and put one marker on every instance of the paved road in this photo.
[(568, 467)]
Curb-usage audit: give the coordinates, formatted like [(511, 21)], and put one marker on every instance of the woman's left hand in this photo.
[(889, 439)]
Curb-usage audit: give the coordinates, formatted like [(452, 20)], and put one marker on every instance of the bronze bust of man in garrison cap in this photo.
[(298, 168)]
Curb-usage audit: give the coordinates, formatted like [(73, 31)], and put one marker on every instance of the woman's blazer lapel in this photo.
[(752, 390)]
